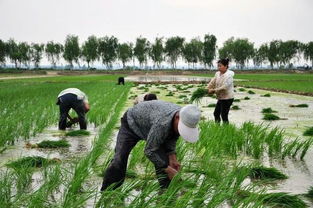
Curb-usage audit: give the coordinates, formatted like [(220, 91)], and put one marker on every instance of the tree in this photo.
[(125, 52), (288, 50), (227, 50), (260, 55), (308, 52), (36, 52), (24, 54), (192, 51), (71, 50), (157, 52), (107, 50), (141, 50), (209, 50), (3, 52), (89, 50), (273, 52), (173, 49), (53, 51), (13, 53)]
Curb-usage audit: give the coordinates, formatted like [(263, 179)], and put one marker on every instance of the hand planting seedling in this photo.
[(268, 110), (308, 132), (77, 133), (299, 106), (49, 144)]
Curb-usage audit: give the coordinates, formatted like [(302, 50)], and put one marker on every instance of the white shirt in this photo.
[(75, 91), (223, 84)]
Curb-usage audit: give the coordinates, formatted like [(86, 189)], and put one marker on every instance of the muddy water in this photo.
[(165, 78)]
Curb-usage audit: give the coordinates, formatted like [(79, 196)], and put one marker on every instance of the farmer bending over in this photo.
[(76, 99), (160, 124)]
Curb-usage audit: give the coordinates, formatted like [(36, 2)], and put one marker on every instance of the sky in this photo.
[(258, 20)]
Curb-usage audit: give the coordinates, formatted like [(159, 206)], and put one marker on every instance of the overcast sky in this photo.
[(258, 20)]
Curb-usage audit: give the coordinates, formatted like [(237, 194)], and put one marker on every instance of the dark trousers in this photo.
[(222, 110), (66, 102), (126, 141), (121, 80)]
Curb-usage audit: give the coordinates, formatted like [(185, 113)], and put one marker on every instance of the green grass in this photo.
[(31, 162), (77, 133), (265, 173), (270, 117), (268, 110), (299, 106), (308, 132)]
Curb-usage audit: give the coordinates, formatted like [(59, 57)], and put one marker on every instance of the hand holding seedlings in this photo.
[(211, 91), (171, 172), (173, 162)]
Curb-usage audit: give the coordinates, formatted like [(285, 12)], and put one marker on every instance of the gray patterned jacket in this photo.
[(152, 121)]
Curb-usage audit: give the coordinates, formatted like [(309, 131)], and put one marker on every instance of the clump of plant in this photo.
[(169, 94), (236, 100), (31, 162), (235, 107), (242, 89), (265, 173), (299, 106), (310, 192), (182, 96), (246, 98), (198, 94), (268, 110), (270, 117), (49, 144), (77, 133), (308, 132), (251, 92), (212, 105), (266, 95)]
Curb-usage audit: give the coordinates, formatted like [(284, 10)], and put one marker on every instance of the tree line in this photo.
[(108, 50)]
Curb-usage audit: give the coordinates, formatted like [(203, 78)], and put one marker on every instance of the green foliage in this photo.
[(251, 92), (192, 51), (107, 49), (198, 94), (308, 132), (125, 52), (299, 106), (31, 162), (53, 51), (53, 144), (77, 133), (157, 52), (265, 173), (270, 117), (90, 50), (268, 110), (141, 50), (209, 49), (71, 50), (174, 48), (235, 107), (266, 95)]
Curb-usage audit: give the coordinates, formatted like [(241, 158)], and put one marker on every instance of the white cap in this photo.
[(189, 117)]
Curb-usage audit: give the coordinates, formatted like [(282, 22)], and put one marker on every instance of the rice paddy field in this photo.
[(263, 158)]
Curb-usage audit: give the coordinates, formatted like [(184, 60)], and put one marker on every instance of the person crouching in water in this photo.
[(160, 123), (77, 100), (222, 85)]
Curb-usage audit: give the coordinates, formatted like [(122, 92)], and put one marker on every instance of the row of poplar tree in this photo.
[(109, 50)]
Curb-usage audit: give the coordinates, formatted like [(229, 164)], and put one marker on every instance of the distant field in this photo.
[(297, 83)]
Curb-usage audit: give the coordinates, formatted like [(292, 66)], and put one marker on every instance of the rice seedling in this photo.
[(235, 107), (246, 98), (182, 96), (236, 100), (268, 110), (77, 133), (310, 192), (34, 162), (49, 144), (299, 106), (265, 173), (198, 94), (170, 94), (212, 105), (251, 92), (308, 132), (270, 117), (242, 89), (266, 95)]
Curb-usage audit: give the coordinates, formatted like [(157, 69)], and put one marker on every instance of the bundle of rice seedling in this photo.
[(77, 133), (299, 106), (49, 144), (308, 132), (170, 93), (265, 173), (242, 89), (246, 98), (235, 107), (251, 92), (236, 100), (266, 95), (268, 110), (198, 94), (28, 162), (212, 105), (270, 117), (310, 193)]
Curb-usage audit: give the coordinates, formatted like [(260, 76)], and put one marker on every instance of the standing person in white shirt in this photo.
[(75, 99), (223, 86)]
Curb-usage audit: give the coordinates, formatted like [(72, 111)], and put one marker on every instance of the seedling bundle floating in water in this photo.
[(251, 92), (77, 133), (266, 95), (270, 117), (265, 173), (32, 162), (235, 107), (299, 106), (49, 144), (268, 110), (308, 132)]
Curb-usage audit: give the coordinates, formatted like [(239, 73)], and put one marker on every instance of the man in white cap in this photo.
[(160, 123)]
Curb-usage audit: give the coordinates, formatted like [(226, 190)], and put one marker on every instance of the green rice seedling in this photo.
[(156, 92), (182, 96), (186, 91), (236, 100), (35, 162), (270, 117), (251, 92), (212, 105), (131, 174), (266, 95), (265, 173), (268, 110), (235, 107), (310, 192), (242, 89), (308, 132), (170, 94), (246, 98), (49, 144), (198, 94), (77, 133), (299, 106)]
